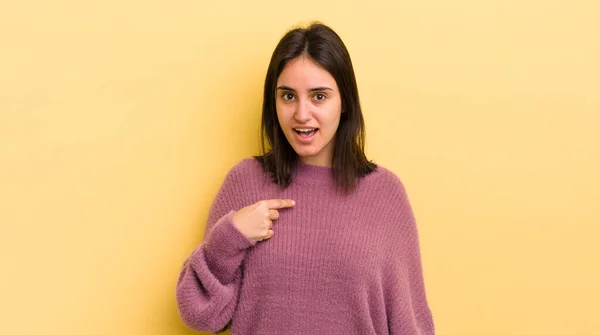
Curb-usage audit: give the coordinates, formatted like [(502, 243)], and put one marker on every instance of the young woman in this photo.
[(310, 237)]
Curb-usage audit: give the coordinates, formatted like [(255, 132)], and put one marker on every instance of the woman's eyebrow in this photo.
[(321, 88)]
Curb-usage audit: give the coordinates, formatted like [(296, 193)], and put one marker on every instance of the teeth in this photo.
[(304, 130)]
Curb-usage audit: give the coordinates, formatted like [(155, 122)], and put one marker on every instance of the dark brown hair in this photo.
[(325, 48)]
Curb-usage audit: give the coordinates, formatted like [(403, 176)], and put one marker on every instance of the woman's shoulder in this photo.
[(385, 178), (246, 164), (245, 168), (387, 191)]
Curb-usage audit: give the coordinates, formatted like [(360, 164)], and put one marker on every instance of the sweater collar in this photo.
[(314, 173)]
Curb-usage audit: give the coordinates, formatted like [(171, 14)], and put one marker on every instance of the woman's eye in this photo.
[(288, 96), (320, 96)]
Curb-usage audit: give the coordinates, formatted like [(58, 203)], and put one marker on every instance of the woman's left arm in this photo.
[(407, 307)]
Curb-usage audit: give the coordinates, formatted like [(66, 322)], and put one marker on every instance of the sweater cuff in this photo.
[(224, 240)]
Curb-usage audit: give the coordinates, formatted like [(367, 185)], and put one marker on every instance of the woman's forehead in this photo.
[(304, 74)]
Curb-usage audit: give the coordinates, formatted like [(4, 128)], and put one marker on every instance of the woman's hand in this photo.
[(256, 221)]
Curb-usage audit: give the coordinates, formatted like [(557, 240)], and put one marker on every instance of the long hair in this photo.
[(325, 48)]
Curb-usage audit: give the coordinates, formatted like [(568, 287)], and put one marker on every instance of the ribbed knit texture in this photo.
[(337, 264)]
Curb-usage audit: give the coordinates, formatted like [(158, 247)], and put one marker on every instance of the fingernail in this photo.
[(293, 203)]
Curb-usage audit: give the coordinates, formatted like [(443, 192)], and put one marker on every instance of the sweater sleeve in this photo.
[(209, 283), (407, 307)]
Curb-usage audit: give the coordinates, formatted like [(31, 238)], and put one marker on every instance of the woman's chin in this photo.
[(304, 154)]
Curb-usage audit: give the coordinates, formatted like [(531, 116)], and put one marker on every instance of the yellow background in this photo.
[(119, 119)]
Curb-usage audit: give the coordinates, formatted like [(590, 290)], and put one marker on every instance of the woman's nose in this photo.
[(303, 113)]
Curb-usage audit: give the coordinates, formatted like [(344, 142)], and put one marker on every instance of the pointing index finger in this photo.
[(280, 203)]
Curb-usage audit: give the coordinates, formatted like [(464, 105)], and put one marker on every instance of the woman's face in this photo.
[(308, 106)]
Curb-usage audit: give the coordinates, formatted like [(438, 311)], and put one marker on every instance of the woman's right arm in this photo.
[(209, 283), (208, 286)]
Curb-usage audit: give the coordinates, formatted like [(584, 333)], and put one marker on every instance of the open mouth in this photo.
[(306, 132)]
